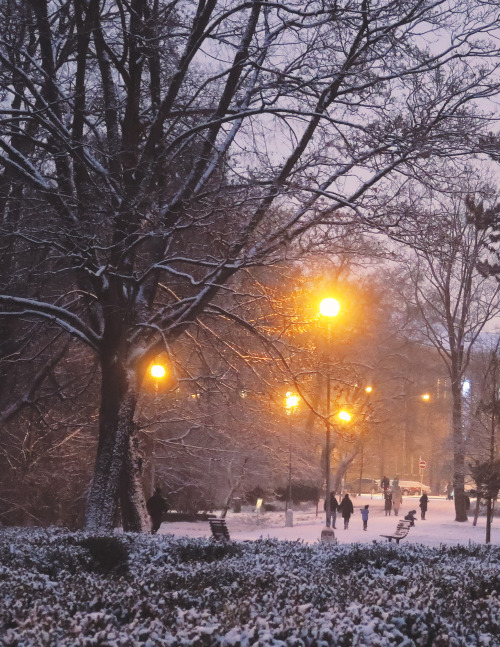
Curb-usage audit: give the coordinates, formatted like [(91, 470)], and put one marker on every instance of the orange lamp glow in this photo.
[(344, 416), (157, 371), (292, 400), (329, 307)]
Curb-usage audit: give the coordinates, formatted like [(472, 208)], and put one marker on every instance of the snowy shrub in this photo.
[(108, 553), (68, 589), (207, 552)]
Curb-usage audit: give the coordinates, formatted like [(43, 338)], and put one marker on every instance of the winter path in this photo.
[(438, 528)]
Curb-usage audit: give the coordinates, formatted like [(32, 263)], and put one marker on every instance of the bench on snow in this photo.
[(403, 528), (219, 529)]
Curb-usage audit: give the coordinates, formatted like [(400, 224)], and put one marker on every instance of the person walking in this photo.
[(364, 516), (384, 484), (346, 509), (334, 504), (397, 499), (388, 502), (155, 506), (424, 500)]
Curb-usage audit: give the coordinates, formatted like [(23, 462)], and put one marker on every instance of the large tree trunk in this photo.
[(132, 504), (341, 470), (458, 451), (117, 467)]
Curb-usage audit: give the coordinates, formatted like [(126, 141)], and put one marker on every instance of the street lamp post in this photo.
[(292, 401), (157, 372), (368, 391), (328, 308)]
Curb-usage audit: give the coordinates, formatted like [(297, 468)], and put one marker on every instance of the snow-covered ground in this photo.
[(438, 528)]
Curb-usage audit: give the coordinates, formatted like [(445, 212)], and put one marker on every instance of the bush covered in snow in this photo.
[(69, 589)]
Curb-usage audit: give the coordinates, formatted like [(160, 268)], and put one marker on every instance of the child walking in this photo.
[(364, 515)]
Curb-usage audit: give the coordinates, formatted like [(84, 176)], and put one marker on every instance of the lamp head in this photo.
[(292, 400), (157, 371), (345, 416), (329, 307)]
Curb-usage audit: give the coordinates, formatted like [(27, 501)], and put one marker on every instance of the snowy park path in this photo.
[(438, 528)]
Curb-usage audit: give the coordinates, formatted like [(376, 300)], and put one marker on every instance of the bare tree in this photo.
[(454, 301), (147, 146)]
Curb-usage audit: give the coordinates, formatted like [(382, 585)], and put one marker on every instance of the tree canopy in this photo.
[(152, 150)]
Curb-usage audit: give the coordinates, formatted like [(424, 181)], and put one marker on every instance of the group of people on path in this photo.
[(393, 498), (423, 501), (156, 505), (344, 508)]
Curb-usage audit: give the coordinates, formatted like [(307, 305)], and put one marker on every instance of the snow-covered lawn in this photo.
[(67, 589), (438, 528)]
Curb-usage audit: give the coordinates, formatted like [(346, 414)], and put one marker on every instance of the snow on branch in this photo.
[(17, 306)]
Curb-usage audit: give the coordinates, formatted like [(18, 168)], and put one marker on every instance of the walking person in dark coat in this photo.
[(155, 506), (388, 502), (424, 499), (346, 509), (334, 504)]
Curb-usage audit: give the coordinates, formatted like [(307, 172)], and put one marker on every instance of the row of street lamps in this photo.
[(329, 308)]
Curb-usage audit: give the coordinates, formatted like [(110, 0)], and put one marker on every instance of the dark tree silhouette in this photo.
[(149, 150)]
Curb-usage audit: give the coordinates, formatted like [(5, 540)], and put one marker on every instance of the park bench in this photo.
[(403, 528), (219, 529)]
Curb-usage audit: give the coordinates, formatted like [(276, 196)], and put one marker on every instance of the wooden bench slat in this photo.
[(219, 529), (402, 529)]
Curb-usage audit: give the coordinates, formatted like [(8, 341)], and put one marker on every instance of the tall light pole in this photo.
[(328, 308), (368, 391), (157, 372), (291, 402)]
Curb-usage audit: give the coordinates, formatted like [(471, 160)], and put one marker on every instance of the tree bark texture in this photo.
[(458, 451), (116, 473)]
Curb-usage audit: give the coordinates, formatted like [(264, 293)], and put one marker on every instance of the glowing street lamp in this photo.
[(344, 416), (157, 371), (328, 308)]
